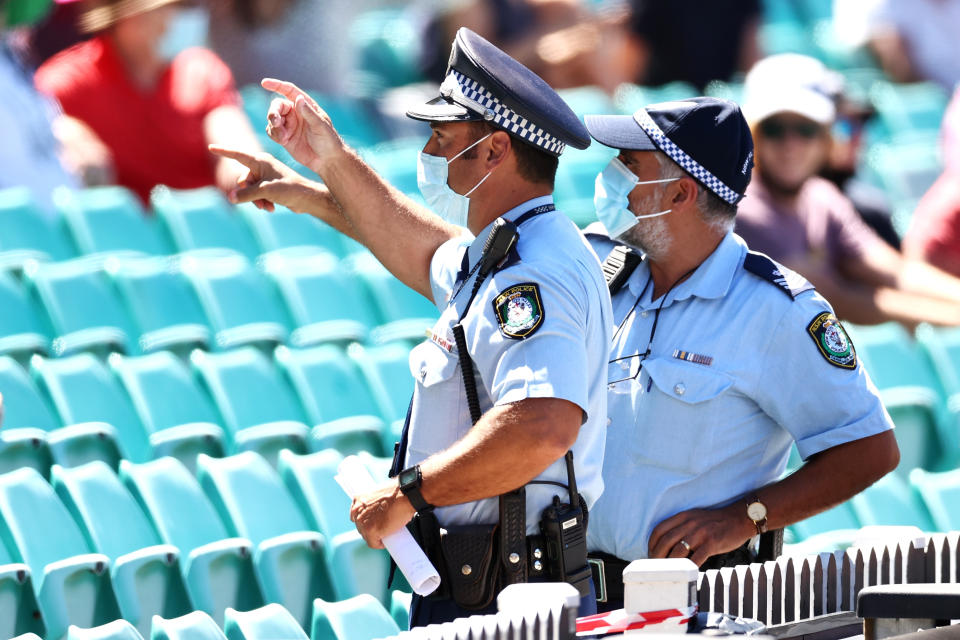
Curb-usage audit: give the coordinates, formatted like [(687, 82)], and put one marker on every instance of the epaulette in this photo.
[(788, 281)]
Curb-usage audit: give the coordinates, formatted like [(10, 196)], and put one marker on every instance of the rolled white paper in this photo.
[(354, 478)]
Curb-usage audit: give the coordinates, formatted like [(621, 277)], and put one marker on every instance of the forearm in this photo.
[(510, 446), (923, 278), (401, 234), (827, 479)]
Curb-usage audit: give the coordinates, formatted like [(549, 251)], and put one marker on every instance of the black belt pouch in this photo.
[(472, 564)]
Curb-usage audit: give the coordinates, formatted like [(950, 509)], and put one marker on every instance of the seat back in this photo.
[(394, 300), (158, 295), (941, 495), (110, 219), (23, 405), (21, 325), (329, 384), (193, 626), (841, 516), (202, 219), (891, 501), (112, 521), (116, 630), (174, 501), (283, 229), (247, 388), (310, 480), (35, 523), (387, 370), (269, 622), (361, 617), (236, 297), (26, 232), (83, 390), (250, 497), (152, 380), (78, 297)]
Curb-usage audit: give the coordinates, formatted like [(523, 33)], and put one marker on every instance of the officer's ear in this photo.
[(498, 150), (685, 192)]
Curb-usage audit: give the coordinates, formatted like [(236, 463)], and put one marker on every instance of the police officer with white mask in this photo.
[(720, 360), (510, 385)]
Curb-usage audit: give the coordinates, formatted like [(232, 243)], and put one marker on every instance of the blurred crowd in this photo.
[(131, 92)]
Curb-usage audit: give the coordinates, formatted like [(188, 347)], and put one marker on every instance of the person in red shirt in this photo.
[(934, 233), (153, 100)]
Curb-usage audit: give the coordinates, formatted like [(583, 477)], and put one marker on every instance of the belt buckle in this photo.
[(600, 577)]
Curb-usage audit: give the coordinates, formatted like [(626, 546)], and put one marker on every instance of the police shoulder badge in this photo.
[(832, 341), (519, 310)]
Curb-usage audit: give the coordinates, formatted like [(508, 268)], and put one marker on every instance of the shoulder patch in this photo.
[(832, 340), (519, 310), (763, 266)]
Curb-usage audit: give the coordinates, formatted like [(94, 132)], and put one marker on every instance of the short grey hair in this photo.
[(719, 214)]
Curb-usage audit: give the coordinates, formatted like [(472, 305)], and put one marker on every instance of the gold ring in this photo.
[(686, 546)]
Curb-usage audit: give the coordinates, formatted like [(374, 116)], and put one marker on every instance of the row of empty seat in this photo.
[(93, 545), (77, 408)]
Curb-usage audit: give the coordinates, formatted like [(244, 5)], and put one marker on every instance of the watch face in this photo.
[(408, 477), (756, 511)]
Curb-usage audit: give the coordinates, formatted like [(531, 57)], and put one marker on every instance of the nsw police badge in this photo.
[(519, 310), (832, 340)]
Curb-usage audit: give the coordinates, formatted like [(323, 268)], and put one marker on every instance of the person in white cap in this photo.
[(806, 223)]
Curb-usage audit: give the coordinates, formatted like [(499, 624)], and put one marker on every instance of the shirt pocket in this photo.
[(438, 419), (680, 413)]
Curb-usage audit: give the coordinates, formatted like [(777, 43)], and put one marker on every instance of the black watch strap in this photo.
[(410, 481)]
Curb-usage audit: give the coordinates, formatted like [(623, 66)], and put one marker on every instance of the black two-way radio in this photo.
[(565, 533)]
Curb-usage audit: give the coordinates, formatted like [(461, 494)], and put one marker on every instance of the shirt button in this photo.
[(423, 373), (609, 421), (644, 314), (624, 364), (679, 389)]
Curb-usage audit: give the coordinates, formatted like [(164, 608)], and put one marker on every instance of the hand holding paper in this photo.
[(353, 477)]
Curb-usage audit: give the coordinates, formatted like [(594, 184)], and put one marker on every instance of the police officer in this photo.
[(720, 358), (522, 285)]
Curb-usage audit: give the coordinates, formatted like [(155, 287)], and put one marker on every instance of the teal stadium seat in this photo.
[(162, 304), (193, 626), (909, 108), (257, 406), (891, 501), (404, 313), (400, 608), (218, 569), (240, 303), (325, 302), (82, 306), (73, 584), (355, 567), (359, 618), (336, 397), (575, 181), (254, 504), (83, 390), (387, 370), (110, 221), (284, 229), (182, 428), (146, 574), (26, 421), (396, 161), (941, 495), (116, 630), (22, 331), (388, 46), (26, 234), (837, 524), (910, 391), (270, 622), (202, 219), (19, 611)]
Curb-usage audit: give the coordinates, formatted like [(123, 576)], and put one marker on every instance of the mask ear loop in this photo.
[(470, 147)]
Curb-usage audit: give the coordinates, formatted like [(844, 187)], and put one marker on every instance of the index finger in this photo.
[(234, 154), (286, 89)]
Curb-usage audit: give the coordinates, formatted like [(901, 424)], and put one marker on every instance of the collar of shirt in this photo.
[(475, 249), (712, 279)]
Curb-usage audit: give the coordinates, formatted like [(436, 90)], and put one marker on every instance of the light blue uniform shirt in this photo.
[(565, 357), (734, 376)]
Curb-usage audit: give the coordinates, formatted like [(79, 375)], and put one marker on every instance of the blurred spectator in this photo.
[(562, 41), (30, 153), (153, 98), (950, 134), (806, 223), (694, 41), (255, 39), (916, 40), (56, 32), (934, 233)]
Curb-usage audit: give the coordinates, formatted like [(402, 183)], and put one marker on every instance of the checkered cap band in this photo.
[(499, 113), (679, 156)]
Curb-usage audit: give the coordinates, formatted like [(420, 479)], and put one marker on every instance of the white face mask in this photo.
[(432, 181), (611, 191), (187, 28)]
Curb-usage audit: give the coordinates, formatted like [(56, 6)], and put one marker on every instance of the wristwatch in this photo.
[(410, 481), (757, 512)]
